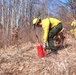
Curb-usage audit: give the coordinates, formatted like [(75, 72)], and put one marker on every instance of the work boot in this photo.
[(47, 51), (51, 53)]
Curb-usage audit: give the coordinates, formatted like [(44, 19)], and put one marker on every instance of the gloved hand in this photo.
[(44, 45)]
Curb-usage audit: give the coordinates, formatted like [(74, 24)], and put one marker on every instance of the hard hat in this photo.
[(35, 21)]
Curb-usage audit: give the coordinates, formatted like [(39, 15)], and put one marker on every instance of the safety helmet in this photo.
[(35, 21)]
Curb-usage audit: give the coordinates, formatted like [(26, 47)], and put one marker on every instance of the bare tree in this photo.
[(4, 19), (70, 4), (13, 15), (3, 15), (8, 28)]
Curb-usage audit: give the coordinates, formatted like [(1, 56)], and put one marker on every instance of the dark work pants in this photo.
[(54, 31)]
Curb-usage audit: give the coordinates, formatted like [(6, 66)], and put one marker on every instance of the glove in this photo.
[(44, 45)]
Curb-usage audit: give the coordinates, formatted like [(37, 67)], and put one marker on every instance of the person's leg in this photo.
[(51, 35)]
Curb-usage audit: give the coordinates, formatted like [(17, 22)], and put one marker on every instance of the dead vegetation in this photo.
[(18, 56), (23, 60)]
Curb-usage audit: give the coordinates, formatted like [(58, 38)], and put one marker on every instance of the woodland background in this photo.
[(18, 43), (16, 17)]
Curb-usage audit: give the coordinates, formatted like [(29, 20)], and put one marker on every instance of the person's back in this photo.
[(53, 22)]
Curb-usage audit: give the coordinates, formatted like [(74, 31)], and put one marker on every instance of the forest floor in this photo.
[(23, 60)]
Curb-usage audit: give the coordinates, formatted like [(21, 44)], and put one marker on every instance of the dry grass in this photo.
[(23, 60)]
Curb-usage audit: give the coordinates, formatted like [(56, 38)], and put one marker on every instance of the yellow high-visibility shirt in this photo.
[(45, 25), (73, 23)]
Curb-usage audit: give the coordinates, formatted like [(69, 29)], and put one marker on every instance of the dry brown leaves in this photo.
[(24, 60)]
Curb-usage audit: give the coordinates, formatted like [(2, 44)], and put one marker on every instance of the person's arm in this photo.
[(46, 31), (45, 37)]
